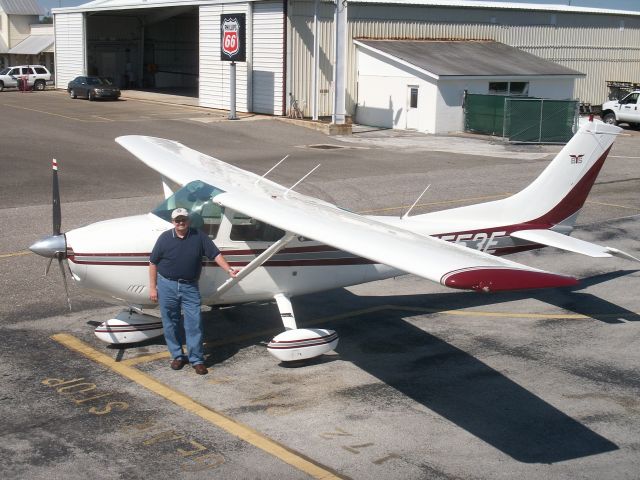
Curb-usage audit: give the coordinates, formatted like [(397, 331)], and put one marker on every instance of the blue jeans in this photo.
[(174, 297)]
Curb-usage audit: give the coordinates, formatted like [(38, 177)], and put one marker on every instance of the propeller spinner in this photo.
[(54, 246)]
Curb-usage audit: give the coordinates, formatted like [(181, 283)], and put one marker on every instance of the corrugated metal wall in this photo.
[(605, 47), (70, 47)]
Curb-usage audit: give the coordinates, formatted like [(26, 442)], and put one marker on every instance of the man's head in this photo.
[(180, 219)]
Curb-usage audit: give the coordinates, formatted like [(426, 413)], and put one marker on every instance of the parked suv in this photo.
[(37, 76), (626, 110)]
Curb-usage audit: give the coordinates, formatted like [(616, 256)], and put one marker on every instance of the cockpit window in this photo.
[(196, 197)]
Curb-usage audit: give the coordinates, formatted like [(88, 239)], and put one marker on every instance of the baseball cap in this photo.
[(179, 212)]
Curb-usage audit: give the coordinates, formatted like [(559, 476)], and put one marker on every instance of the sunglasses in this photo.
[(180, 220)]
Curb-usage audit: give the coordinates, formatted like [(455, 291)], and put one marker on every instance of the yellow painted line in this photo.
[(355, 313), (145, 358), (445, 202), (263, 333), (474, 313), (613, 205), (42, 111), (15, 254), (218, 419)]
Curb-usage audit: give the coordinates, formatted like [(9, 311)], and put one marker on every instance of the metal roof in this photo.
[(621, 7), (33, 45), (613, 7), (21, 7), (466, 58)]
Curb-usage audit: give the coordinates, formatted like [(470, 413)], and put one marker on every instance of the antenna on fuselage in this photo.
[(271, 169), (296, 184), (402, 217)]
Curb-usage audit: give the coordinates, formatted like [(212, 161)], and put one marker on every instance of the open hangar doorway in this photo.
[(154, 49)]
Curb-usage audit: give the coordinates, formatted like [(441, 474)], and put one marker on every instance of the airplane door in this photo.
[(413, 114)]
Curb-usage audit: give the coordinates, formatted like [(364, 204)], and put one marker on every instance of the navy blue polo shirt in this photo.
[(181, 258)]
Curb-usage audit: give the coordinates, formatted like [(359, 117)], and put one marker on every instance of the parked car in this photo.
[(93, 88), (37, 76), (626, 110)]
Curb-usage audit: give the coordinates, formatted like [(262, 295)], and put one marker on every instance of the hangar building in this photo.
[(294, 53)]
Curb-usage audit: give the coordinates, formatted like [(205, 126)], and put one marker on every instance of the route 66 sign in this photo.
[(232, 40)]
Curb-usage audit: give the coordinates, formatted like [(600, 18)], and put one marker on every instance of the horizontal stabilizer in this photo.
[(571, 244)]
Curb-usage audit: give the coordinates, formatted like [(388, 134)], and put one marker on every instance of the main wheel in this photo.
[(39, 85), (72, 93), (610, 118)]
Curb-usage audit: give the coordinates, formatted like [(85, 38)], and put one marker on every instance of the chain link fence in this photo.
[(521, 119)]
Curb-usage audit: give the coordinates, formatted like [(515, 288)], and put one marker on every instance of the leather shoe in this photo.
[(178, 363), (200, 369)]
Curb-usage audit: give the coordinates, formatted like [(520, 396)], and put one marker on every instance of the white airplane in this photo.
[(290, 244)]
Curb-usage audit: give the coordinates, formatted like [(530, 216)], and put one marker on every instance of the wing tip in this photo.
[(491, 279)]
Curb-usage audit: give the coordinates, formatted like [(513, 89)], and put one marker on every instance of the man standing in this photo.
[(174, 270)]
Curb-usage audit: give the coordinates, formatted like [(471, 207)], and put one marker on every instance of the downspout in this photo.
[(316, 61)]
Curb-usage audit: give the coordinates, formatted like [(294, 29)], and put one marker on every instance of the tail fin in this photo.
[(554, 198), (559, 193)]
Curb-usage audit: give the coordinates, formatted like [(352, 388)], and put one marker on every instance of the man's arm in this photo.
[(153, 282), (220, 260)]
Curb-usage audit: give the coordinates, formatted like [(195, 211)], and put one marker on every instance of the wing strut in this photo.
[(255, 263)]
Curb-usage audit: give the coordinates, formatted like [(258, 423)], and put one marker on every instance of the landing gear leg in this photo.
[(286, 311), (299, 343)]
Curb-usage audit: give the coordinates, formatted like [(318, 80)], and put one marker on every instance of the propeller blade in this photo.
[(64, 280), (46, 270), (57, 214)]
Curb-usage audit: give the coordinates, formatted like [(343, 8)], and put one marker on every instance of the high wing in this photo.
[(447, 263)]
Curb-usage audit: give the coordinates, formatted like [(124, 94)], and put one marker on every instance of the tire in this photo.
[(91, 96), (1, 86), (39, 85), (610, 118), (72, 93)]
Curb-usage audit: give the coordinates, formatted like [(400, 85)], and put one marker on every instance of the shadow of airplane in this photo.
[(453, 383), (427, 369), (464, 390)]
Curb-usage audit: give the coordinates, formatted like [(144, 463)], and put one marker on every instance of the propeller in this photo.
[(55, 245)]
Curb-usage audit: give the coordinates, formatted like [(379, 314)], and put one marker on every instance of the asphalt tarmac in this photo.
[(426, 382)]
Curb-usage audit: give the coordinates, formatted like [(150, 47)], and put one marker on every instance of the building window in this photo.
[(509, 88), (413, 97)]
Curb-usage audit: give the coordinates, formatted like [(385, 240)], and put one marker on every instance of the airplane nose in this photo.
[(51, 246)]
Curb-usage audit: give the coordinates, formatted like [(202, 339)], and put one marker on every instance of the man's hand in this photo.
[(233, 272), (153, 294)]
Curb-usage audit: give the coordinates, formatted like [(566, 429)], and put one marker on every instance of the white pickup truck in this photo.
[(626, 110)]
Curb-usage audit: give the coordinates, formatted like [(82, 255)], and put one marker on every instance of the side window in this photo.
[(208, 218), (28, 71), (14, 71), (41, 71), (246, 229), (498, 88), (632, 99)]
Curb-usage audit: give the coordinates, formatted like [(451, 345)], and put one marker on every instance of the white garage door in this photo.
[(268, 58), (70, 47)]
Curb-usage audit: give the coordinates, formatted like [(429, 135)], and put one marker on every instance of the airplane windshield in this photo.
[(196, 197)]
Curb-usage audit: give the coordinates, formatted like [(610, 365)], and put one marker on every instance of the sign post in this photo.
[(232, 49)]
